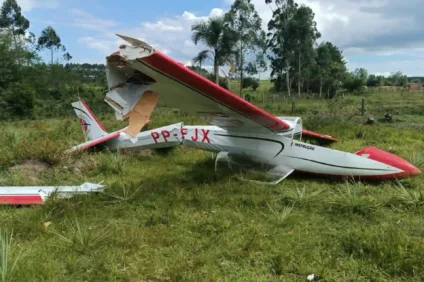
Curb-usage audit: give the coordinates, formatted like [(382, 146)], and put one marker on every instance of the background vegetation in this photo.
[(170, 217), (32, 88)]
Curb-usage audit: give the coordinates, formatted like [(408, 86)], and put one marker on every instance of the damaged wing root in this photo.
[(141, 112)]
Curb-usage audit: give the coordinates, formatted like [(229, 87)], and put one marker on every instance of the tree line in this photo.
[(296, 61), (30, 87), (33, 88)]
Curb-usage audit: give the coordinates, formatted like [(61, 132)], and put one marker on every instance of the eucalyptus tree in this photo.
[(50, 40), (244, 22), (280, 41), (11, 18)]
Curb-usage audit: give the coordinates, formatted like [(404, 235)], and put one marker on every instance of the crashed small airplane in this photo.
[(244, 136)]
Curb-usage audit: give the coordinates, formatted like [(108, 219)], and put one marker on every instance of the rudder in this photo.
[(91, 126)]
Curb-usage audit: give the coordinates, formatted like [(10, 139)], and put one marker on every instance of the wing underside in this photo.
[(179, 87)]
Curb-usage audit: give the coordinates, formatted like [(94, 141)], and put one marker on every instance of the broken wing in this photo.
[(180, 87)]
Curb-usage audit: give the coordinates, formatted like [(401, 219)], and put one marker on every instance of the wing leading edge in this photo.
[(180, 87)]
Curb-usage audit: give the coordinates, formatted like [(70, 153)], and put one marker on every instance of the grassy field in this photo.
[(171, 218)]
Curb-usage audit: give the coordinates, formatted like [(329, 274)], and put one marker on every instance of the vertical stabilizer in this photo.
[(92, 128)]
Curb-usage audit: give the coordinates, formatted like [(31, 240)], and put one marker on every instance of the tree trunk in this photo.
[(288, 78), (16, 45), (320, 87), (216, 70), (298, 79), (241, 84), (291, 82), (51, 51), (307, 87), (241, 70)]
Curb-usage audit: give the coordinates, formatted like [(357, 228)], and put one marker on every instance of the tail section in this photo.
[(92, 128)]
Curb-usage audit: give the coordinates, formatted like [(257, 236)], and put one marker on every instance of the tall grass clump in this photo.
[(409, 198), (348, 201), (300, 197), (113, 163), (281, 216), (7, 264), (80, 237), (17, 146), (119, 193)]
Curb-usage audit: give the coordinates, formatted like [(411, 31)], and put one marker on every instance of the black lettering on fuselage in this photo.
[(307, 147)]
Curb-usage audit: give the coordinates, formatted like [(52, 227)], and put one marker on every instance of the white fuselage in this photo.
[(272, 149)]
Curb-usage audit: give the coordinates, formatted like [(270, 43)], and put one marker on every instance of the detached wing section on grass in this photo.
[(180, 87)]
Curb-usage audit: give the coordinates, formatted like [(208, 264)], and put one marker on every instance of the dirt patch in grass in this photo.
[(138, 153), (85, 164), (30, 170)]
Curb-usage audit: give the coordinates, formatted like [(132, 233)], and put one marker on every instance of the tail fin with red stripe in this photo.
[(92, 128)]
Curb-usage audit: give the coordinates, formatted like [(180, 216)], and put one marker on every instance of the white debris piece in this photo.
[(34, 195)]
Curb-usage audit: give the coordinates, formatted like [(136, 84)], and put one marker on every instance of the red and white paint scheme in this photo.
[(242, 134), (37, 195)]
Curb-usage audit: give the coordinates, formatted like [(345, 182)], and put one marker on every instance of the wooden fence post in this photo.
[(363, 106)]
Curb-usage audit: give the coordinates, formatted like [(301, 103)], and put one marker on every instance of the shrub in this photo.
[(250, 82)]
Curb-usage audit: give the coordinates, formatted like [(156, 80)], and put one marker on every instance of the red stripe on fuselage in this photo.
[(101, 140)]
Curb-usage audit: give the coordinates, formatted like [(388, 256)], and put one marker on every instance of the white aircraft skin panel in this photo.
[(214, 137), (184, 97), (204, 146), (163, 137), (282, 151), (316, 159)]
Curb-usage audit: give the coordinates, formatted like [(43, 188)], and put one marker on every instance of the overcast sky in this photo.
[(382, 36)]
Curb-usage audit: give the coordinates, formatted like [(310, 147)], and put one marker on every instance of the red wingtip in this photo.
[(23, 200)]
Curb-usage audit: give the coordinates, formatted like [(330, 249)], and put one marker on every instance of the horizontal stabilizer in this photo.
[(95, 142), (317, 136)]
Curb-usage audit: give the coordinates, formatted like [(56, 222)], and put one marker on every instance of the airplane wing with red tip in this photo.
[(180, 87)]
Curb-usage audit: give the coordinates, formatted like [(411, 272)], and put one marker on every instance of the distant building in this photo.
[(415, 86)]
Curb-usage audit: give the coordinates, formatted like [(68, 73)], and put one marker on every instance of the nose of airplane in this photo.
[(408, 169)]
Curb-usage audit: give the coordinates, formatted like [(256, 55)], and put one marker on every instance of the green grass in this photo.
[(171, 218)]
